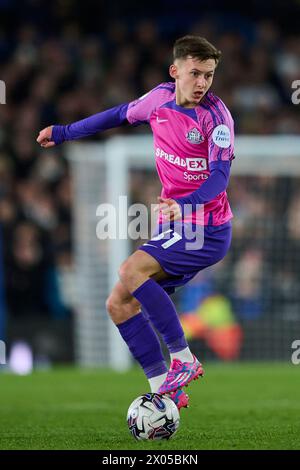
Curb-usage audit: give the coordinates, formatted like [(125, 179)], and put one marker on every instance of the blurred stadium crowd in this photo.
[(58, 72)]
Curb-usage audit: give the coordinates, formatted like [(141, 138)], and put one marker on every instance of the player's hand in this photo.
[(169, 209), (45, 136)]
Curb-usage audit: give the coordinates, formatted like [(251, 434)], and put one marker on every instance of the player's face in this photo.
[(193, 79)]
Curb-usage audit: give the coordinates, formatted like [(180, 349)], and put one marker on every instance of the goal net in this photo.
[(247, 307)]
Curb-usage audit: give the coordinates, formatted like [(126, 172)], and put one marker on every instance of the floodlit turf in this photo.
[(243, 406)]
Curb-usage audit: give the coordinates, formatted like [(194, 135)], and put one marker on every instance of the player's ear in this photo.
[(173, 71)]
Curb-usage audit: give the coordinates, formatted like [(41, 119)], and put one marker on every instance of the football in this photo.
[(153, 417)]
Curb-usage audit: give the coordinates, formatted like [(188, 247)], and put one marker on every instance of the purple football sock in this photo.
[(162, 314), (143, 344)]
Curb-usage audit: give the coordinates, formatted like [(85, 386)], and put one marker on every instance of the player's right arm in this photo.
[(45, 137), (55, 135), (135, 113)]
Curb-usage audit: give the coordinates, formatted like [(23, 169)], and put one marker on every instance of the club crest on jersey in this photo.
[(194, 136)]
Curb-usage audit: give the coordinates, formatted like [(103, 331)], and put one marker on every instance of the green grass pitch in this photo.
[(235, 406)]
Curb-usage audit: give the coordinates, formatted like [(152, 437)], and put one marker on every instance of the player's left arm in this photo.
[(216, 183), (220, 137)]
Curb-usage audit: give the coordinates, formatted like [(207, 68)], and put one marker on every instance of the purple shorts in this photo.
[(172, 252)]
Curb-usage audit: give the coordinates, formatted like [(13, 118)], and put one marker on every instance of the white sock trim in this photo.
[(156, 382), (184, 355)]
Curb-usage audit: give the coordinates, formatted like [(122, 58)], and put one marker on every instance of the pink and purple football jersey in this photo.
[(186, 142)]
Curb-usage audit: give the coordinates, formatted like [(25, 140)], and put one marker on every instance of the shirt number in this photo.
[(174, 238)]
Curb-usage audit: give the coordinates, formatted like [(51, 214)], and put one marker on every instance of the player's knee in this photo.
[(132, 275), (126, 272), (113, 308), (120, 311)]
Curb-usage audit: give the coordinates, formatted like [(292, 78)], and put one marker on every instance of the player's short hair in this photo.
[(196, 47)]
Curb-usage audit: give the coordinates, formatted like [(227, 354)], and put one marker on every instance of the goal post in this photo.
[(101, 174), (97, 341)]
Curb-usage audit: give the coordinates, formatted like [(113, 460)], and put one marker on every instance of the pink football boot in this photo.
[(180, 375)]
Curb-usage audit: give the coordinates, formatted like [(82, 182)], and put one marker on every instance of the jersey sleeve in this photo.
[(99, 122), (219, 133), (210, 189), (140, 110)]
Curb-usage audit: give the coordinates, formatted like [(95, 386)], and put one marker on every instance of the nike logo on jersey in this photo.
[(161, 120), (149, 244)]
